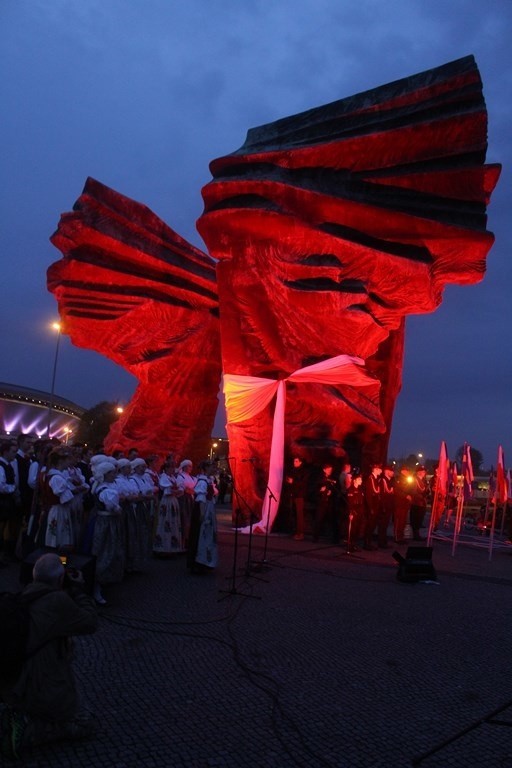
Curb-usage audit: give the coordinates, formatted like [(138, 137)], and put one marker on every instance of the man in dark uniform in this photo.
[(8, 507), (356, 510), (387, 507), (24, 493), (372, 498), (296, 485), (327, 497), (403, 497), (344, 483), (419, 502)]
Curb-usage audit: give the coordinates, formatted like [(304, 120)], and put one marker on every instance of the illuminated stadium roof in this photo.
[(29, 411)]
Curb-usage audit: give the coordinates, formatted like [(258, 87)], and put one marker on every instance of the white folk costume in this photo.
[(137, 529), (168, 537), (186, 484), (108, 537), (59, 528), (202, 548), (78, 487), (151, 479), (99, 468)]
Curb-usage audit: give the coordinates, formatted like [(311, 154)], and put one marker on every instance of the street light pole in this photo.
[(56, 327)]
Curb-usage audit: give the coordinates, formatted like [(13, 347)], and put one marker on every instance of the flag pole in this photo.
[(491, 538), (432, 512), (440, 490), (503, 511), (458, 516), (488, 499)]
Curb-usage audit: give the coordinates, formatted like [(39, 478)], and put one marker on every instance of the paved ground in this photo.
[(321, 660)]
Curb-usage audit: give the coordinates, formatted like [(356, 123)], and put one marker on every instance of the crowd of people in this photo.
[(355, 509), (119, 508)]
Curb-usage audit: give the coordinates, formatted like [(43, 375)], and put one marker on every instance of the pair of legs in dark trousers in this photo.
[(400, 519), (298, 504), (372, 516), (383, 520), (417, 514), (325, 511)]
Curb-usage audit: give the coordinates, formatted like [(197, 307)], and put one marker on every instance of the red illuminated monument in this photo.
[(329, 227), (132, 289)]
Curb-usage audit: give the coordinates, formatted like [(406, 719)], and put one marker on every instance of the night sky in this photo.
[(143, 94)]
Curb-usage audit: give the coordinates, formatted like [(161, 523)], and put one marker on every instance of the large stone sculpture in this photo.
[(132, 289), (329, 227)]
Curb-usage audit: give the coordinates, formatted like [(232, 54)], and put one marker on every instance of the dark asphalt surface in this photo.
[(315, 659)]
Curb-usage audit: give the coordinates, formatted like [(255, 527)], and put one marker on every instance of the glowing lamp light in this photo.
[(410, 478), (119, 409), (214, 445)]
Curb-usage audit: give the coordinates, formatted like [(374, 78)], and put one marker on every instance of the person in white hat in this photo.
[(138, 518), (202, 545), (58, 496), (168, 537), (108, 537), (123, 483)]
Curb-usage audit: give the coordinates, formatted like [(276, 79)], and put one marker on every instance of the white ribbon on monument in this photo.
[(246, 396)]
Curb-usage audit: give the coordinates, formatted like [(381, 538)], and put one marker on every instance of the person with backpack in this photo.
[(42, 702)]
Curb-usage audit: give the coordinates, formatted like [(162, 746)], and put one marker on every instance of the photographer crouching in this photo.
[(42, 704)]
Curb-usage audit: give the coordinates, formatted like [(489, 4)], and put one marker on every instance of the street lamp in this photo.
[(58, 328), (214, 445), (119, 409)]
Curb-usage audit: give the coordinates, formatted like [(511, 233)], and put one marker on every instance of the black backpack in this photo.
[(14, 631)]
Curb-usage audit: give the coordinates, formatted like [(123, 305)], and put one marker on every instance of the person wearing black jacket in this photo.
[(387, 506), (296, 484), (419, 493), (43, 704), (8, 507), (327, 503), (372, 497)]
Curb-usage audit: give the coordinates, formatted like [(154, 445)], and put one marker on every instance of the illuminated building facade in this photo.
[(30, 411)]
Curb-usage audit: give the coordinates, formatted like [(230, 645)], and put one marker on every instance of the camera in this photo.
[(71, 578)]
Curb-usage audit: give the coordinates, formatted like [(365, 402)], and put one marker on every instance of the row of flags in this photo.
[(448, 478)]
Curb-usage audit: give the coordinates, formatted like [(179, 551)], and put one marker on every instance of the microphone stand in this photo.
[(247, 571), (233, 590), (264, 562), (349, 550)]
